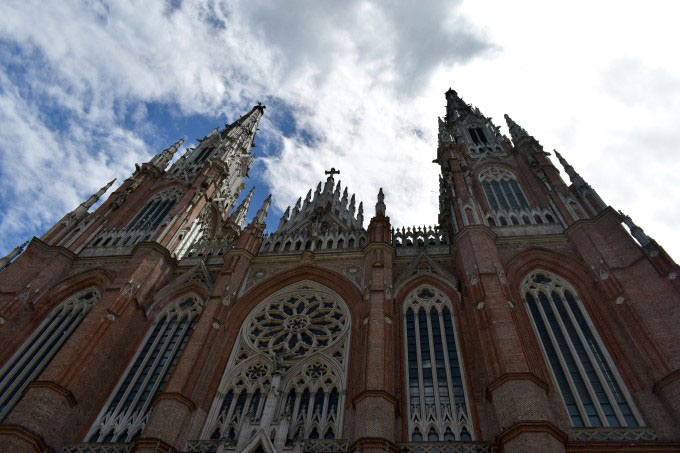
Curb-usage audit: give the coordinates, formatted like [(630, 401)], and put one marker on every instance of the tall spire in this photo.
[(516, 131), (4, 262), (239, 216), (161, 160), (95, 197), (574, 177), (261, 215)]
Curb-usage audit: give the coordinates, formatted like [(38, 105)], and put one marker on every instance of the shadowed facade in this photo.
[(532, 317)]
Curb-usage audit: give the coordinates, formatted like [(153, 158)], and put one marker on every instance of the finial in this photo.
[(239, 216), (332, 172), (360, 215), (516, 131), (4, 262), (261, 215), (380, 205), (574, 177), (635, 231)]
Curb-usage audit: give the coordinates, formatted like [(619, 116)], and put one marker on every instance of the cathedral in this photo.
[(532, 317)]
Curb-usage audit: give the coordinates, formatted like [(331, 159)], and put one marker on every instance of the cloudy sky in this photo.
[(89, 88)]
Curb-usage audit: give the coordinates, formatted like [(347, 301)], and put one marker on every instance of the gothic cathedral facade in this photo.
[(532, 318)]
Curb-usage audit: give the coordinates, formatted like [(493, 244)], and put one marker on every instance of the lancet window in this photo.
[(155, 211), (591, 388), (34, 355), (287, 372), (128, 409), (438, 408), (509, 205)]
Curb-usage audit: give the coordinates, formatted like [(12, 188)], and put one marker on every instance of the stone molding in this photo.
[(25, 435), (520, 428), (56, 388), (176, 396), (507, 377), (373, 394)]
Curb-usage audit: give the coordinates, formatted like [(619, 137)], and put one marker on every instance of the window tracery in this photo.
[(593, 394), (36, 352), (437, 398), (287, 372), (129, 408), (509, 205)]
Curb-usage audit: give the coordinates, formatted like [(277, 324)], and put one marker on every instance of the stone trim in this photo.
[(376, 443), (56, 388), (519, 428), (177, 397), (373, 394), (668, 379), (152, 444), (31, 438), (507, 377)]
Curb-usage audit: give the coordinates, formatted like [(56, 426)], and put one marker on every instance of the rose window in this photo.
[(294, 326)]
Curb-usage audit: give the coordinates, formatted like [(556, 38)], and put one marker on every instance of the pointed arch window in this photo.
[(289, 363), (591, 389), (36, 352), (438, 408), (129, 408), (155, 211), (507, 200)]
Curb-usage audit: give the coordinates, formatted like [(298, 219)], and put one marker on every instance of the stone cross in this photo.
[(332, 172)]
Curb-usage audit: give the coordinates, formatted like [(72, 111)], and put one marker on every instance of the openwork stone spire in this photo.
[(261, 215), (574, 177), (95, 197), (516, 131), (161, 160), (238, 217)]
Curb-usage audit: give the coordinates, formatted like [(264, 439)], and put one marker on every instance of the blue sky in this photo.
[(89, 88)]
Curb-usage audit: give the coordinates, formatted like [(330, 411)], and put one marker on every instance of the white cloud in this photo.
[(364, 79)]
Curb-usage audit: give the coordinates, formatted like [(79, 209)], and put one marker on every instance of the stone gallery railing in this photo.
[(306, 446), (615, 434), (93, 447), (410, 240), (447, 447)]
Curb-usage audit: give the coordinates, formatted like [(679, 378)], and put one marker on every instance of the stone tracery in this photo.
[(287, 372)]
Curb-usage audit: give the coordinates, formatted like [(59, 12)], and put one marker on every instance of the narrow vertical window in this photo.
[(506, 199), (588, 382), (127, 412), (34, 355), (437, 399)]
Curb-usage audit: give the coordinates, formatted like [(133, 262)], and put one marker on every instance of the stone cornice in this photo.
[(176, 396), (606, 212), (26, 436), (373, 444), (374, 394), (665, 381), (507, 377), (52, 248), (56, 388), (519, 428)]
